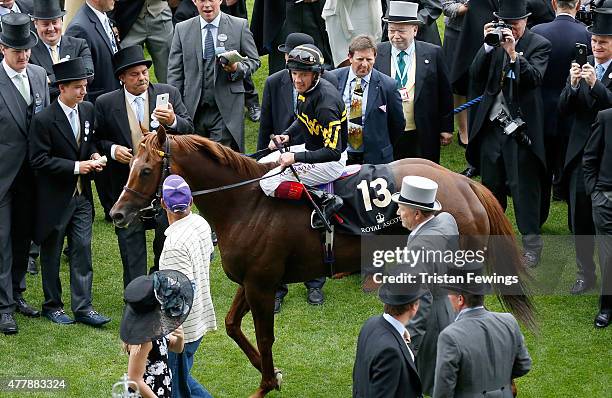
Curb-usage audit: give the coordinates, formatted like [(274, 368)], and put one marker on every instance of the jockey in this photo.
[(320, 125)]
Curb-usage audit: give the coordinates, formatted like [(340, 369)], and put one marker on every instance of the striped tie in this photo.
[(209, 44), (400, 78)]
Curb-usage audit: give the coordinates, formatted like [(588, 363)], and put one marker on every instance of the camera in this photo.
[(496, 37), (586, 11), (514, 127)]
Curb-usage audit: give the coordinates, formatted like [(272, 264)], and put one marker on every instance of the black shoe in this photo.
[(59, 317), (470, 172), (602, 320), (92, 318), (315, 296), (8, 324), (530, 259), (328, 203), (278, 302), (32, 267), (581, 286), (24, 308), (254, 112)]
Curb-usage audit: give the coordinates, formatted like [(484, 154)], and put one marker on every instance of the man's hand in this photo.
[(98, 166), (287, 159), (446, 138), (87, 166), (575, 74), (509, 44), (488, 28), (165, 116), (588, 74), (281, 139), (231, 68), (463, 8), (123, 154)]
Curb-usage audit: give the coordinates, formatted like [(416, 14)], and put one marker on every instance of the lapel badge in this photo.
[(610, 76), (426, 61), (37, 100), (85, 138), (86, 128), (520, 53), (222, 38)]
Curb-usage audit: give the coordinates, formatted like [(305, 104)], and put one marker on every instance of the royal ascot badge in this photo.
[(222, 38), (86, 128), (426, 61)]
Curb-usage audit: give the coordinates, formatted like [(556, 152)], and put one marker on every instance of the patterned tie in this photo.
[(139, 108), (407, 341), (355, 125), (209, 44), (400, 78), (23, 90), (73, 123), (599, 71), (54, 55), (111, 36)]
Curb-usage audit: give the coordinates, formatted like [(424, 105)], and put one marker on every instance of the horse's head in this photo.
[(144, 186)]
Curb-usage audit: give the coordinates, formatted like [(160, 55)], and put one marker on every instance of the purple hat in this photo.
[(176, 193)]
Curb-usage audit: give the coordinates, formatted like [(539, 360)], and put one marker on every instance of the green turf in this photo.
[(315, 346)]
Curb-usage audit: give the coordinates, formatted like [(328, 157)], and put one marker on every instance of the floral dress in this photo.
[(157, 373)]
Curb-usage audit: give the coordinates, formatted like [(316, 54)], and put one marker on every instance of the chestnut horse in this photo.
[(266, 241)]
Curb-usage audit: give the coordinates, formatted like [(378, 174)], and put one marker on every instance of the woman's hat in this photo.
[(419, 193), (403, 12), (16, 31), (602, 22), (128, 57), (47, 9), (70, 70), (156, 305), (510, 10)]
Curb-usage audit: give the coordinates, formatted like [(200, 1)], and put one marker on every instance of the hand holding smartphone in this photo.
[(162, 101), (581, 54)]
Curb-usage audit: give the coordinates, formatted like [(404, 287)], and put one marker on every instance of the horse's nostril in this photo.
[(117, 216)]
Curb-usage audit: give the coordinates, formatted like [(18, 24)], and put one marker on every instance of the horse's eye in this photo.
[(145, 172)]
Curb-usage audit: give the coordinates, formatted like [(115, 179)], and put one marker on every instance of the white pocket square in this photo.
[(383, 108)]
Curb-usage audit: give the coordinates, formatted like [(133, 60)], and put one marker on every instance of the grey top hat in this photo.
[(47, 9), (403, 12), (419, 193), (16, 32)]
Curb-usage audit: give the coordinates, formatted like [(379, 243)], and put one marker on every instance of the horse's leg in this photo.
[(261, 301), (233, 322)]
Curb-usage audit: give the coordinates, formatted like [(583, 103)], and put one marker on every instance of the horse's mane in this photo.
[(243, 165)]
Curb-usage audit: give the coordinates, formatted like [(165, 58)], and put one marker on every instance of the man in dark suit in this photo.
[(376, 118), (563, 33), (509, 76), (384, 364), (422, 80), (22, 6), (121, 117), (92, 24), (52, 46), (23, 92), (63, 155)]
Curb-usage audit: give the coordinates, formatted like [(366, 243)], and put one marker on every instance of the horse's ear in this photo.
[(161, 135)]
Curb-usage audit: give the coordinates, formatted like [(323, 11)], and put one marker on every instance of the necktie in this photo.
[(209, 44), (111, 35), (355, 125), (599, 71), (139, 101), (400, 78), (407, 341), (23, 90), (54, 55), (72, 118)]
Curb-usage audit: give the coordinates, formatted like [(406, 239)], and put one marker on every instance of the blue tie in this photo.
[(209, 44), (599, 71), (73, 123), (139, 108)]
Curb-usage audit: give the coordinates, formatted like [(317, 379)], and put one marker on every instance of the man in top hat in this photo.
[(421, 77), (213, 89), (121, 117), (52, 46), (429, 11), (64, 155), (588, 91), (509, 76), (417, 208), (23, 92), (384, 363), (466, 366)]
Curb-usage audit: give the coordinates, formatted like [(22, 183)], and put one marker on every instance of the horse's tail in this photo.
[(503, 257)]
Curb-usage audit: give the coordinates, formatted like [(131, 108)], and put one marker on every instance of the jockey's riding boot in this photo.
[(328, 203)]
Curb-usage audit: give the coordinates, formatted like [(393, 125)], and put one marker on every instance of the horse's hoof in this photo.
[(279, 379)]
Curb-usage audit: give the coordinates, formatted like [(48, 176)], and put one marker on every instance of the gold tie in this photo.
[(54, 55)]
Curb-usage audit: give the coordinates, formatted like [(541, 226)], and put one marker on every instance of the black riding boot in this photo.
[(328, 203)]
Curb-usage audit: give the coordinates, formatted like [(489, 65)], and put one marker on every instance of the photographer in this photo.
[(588, 91), (506, 129)]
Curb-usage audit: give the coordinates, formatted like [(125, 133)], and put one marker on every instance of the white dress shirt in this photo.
[(4, 10), (57, 48), (214, 30), (12, 74), (401, 329), (67, 110)]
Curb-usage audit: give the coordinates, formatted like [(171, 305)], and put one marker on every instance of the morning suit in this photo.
[(113, 128), (187, 70), (383, 120), (583, 104), (64, 203), (16, 193), (383, 365), (563, 33), (435, 311), (69, 47), (479, 354), (503, 162), (433, 99)]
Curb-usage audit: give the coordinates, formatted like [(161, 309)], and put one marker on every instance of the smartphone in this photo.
[(581, 54), (162, 101)]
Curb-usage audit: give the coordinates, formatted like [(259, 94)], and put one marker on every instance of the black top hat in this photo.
[(47, 9), (512, 10), (128, 57), (16, 32), (403, 12), (70, 70), (467, 283), (293, 40), (602, 22), (400, 290), (156, 305)]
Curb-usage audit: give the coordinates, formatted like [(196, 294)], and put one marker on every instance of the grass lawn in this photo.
[(315, 346)]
